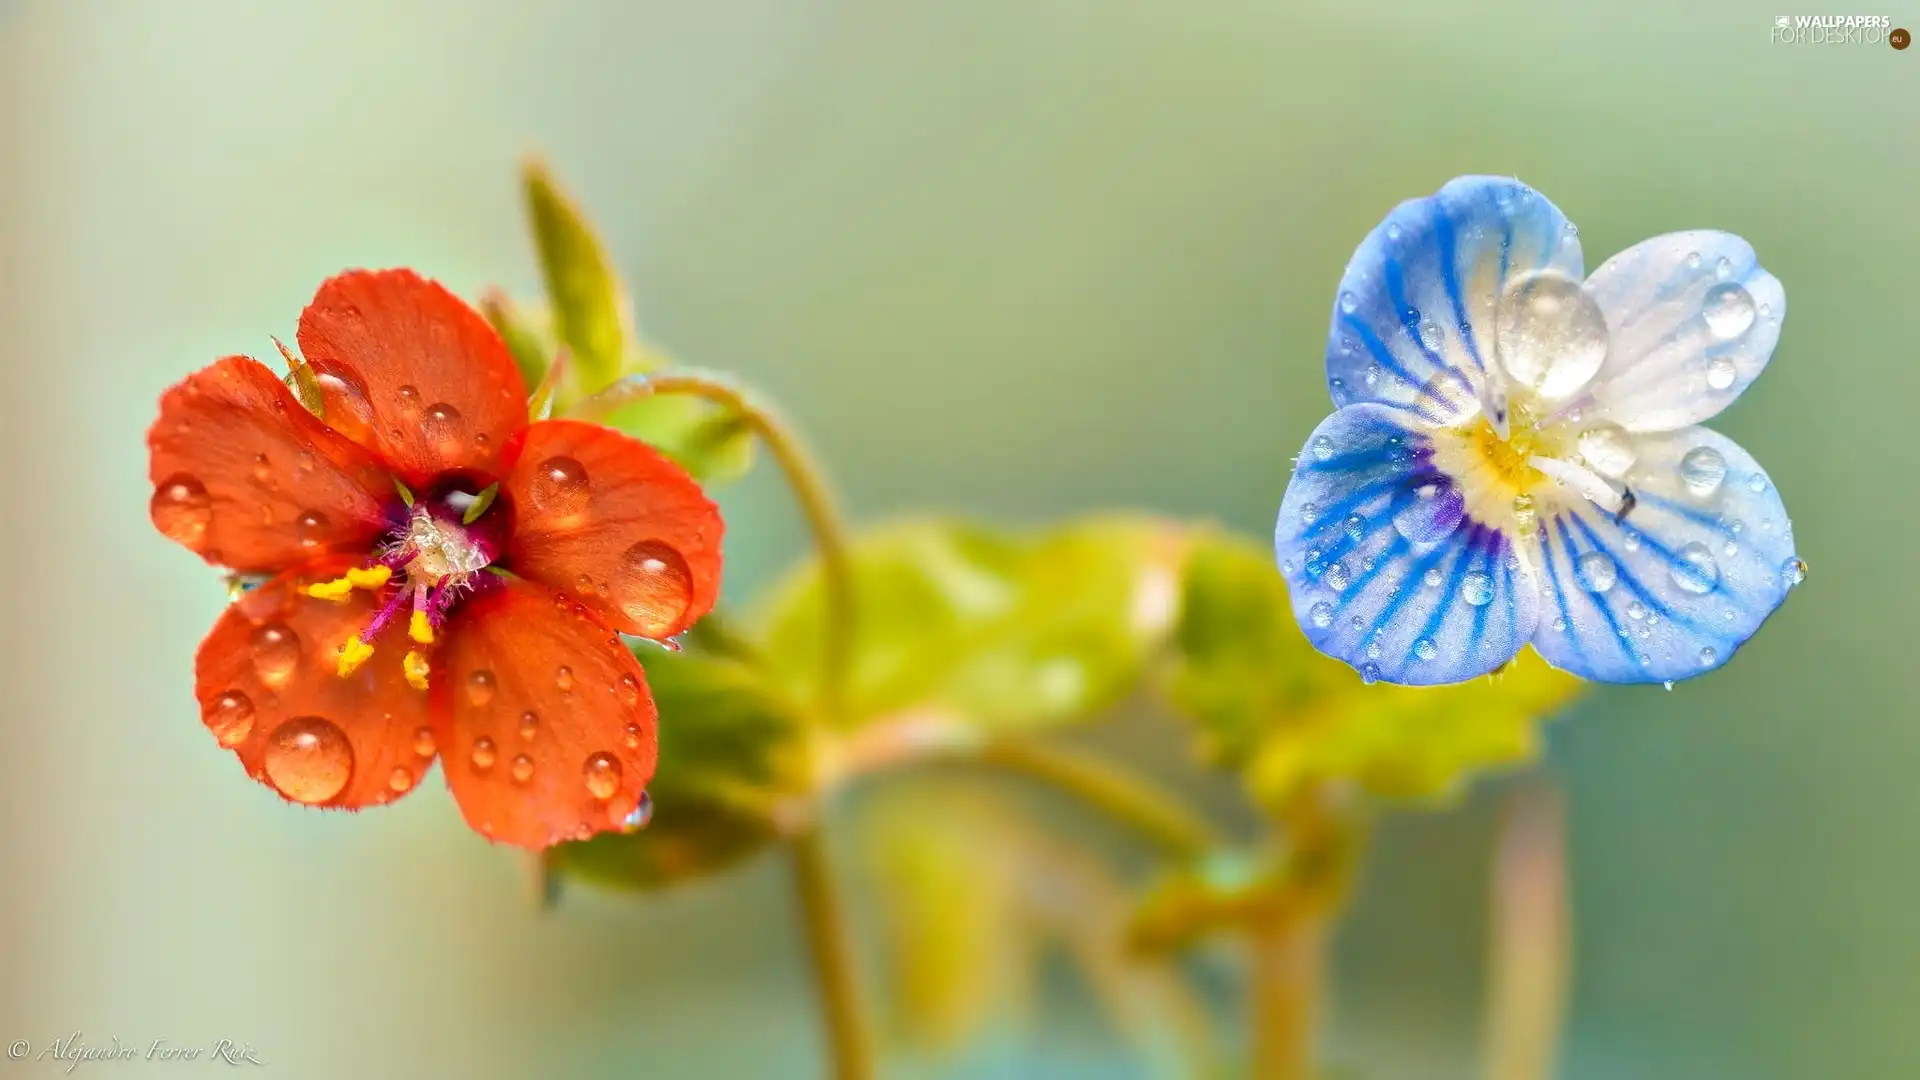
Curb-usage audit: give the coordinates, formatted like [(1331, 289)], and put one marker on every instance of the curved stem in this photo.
[(803, 477), (849, 1044), (1289, 972), (1111, 790)]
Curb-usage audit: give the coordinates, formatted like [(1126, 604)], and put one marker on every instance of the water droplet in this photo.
[(1596, 571), (230, 717), (262, 470), (1434, 578), (1708, 656), (602, 774), (1693, 260), (1694, 569), (1728, 309), (311, 528), (309, 759), (1348, 302), (441, 423), (1756, 483), (484, 753), (1337, 577), (529, 725), (563, 678), (1323, 448), (628, 688), (1551, 335), (181, 509), (1430, 336), (1309, 512), (1356, 527), (480, 686), (641, 814), (1425, 649), (1369, 673), (409, 400), (1724, 268), (654, 587), (1394, 231), (1607, 450), (1630, 540), (522, 768), (1702, 469), (1371, 376), (1321, 614), (559, 487), (400, 780), (1636, 610), (276, 652), (423, 742), (1721, 373), (1793, 571), (1559, 624), (632, 736), (1435, 510), (346, 403)]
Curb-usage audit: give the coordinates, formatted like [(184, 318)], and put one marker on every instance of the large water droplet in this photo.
[(423, 742), (1597, 571), (1708, 656), (441, 423), (1321, 614), (559, 487), (276, 653), (602, 773), (400, 780), (1721, 372), (1425, 649), (230, 718), (348, 411), (1552, 336), (181, 509), (640, 815), (311, 528), (309, 759), (522, 768), (1702, 469), (1793, 571), (480, 686), (1607, 450), (484, 753), (1694, 569), (654, 587), (1477, 588), (1728, 309), (1337, 577), (1431, 515)]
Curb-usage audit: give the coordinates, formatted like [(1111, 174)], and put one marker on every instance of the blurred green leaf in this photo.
[(530, 344), (714, 446), (1269, 704), (589, 305), (1227, 891), (1012, 631), (731, 753)]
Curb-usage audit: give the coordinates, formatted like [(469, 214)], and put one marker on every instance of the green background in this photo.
[(1014, 258)]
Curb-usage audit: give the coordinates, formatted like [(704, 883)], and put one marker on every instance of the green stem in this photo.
[(803, 477), (1109, 789), (849, 1044)]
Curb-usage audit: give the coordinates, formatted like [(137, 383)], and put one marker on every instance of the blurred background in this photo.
[(1014, 258)]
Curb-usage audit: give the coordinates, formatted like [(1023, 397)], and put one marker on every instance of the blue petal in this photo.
[(1417, 300), (1435, 599), (1692, 319), (1681, 579)]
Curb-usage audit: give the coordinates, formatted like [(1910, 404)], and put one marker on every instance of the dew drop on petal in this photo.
[(1596, 571), (1425, 649), (529, 725), (1477, 588), (311, 528), (1348, 302), (1607, 450), (1431, 515), (1434, 578), (484, 753), (441, 423), (1635, 611), (602, 774), (230, 718), (1728, 309), (1321, 614), (1702, 469), (1708, 656), (559, 487), (563, 678), (276, 652), (309, 760), (409, 399), (654, 588), (628, 688), (1694, 569), (1369, 673), (423, 742), (522, 768), (1793, 571), (1551, 335), (640, 815), (1721, 373), (1323, 448), (346, 404), (479, 686), (1337, 577), (631, 736), (400, 779), (181, 509)]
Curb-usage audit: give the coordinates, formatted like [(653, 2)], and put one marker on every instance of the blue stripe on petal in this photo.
[(1360, 584), (1418, 296), (1692, 319), (1690, 572)]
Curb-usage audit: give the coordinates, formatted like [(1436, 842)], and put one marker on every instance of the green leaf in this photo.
[(1270, 705), (589, 305), (1008, 630), (713, 445), (731, 754), (531, 348)]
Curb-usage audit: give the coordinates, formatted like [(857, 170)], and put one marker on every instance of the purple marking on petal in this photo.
[(1431, 510)]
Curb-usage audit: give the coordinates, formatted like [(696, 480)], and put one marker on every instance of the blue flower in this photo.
[(1515, 456)]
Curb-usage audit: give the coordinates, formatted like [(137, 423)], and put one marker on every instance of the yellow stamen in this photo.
[(416, 668), (335, 590), (420, 629), (371, 577), (352, 655)]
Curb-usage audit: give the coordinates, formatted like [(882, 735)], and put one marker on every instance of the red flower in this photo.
[(407, 615)]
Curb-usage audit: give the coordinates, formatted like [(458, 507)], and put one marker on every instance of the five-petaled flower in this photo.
[(1515, 459), (447, 578)]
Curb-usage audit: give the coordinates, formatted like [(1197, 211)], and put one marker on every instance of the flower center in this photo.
[(434, 559)]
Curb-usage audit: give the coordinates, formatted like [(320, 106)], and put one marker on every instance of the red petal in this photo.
[(545, 718), (268, 688), (248, 479), (408, 369), (609, 520)]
